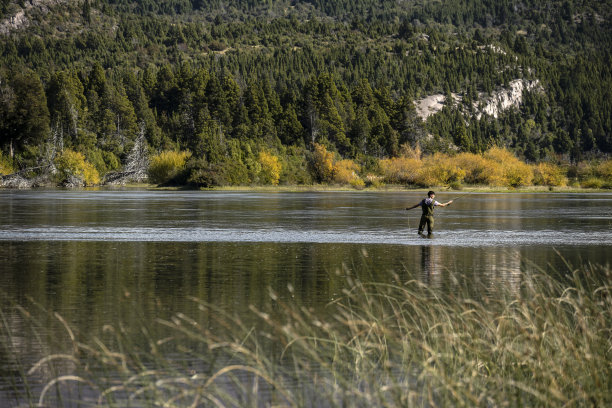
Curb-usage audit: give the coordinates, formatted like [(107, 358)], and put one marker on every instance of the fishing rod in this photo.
[(458, 197)]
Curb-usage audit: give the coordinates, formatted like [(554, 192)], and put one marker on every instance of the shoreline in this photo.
[(339, 188)]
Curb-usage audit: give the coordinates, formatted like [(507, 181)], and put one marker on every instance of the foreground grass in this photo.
[(385, 345)]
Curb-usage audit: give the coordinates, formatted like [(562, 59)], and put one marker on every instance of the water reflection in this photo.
[(99, 258)]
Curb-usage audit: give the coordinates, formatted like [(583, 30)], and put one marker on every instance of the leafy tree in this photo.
[(72, 165), (24, 116), (66, 103), (270, 168), (322, 163)]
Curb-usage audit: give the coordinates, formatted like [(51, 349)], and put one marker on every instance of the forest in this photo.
[(267, 91)]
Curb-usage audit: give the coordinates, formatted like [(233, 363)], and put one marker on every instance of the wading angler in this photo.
[(427, 205)]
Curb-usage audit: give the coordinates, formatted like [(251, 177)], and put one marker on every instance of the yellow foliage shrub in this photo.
[(345, 172), (604, 170), (505, 169), (592, 182), (407, 151), (167, 164), (5, 165), (73, 164), (373, 180), (323, 163), (401, 170), (475, 166), (270, 168), (547, 174), (440, 170), (518, 174)]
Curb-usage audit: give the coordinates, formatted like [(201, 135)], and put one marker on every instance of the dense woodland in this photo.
[(228, 81)]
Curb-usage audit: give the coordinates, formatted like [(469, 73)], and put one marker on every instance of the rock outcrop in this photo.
[(492, 105), (506, 98), (19, 19)]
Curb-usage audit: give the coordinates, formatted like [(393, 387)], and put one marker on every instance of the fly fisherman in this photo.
[(427, 205)]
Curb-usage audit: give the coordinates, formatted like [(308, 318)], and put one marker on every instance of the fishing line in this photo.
[(458, 197)]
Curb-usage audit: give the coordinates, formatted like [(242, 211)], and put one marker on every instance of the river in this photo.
[(133, 256)]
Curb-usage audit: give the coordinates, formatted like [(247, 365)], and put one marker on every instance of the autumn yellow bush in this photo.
[(548, 174), (441, 170), (408, 151), (167, 164), (322, 163), (270, 168), (475, 166), (404, 170), (73, 164), (505, 169), (346, 172), (372, 180), (5, 165)]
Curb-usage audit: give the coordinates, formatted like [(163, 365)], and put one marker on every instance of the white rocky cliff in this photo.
[(492, 105)]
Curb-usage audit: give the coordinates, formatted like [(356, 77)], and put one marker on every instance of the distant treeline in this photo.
[(254, 165), (224, 79)]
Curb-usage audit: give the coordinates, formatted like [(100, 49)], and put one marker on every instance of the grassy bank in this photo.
[(381, 188), (396, 344)]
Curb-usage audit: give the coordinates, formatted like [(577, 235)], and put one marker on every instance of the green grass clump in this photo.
[(547, 343)]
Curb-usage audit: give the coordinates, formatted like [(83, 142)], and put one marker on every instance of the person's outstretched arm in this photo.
[(414, 206), (445, 204)]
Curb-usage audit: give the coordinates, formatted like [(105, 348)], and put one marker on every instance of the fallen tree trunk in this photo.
[(20, 180), (123, 177)]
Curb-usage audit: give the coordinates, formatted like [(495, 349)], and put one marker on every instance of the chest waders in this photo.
[(427, 217)]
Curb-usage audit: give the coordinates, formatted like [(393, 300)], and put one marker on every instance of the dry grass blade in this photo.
[(49, 358), (57, 380), (254, 371)]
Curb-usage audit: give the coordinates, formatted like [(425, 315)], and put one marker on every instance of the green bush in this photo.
[(207, 175), (167, 165), (604, 170), (295, 167), (592, 182), (103, 161)]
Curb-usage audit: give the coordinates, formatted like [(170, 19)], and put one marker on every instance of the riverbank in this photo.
[(389, 188)]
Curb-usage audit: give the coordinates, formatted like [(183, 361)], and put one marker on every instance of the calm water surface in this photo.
[(102, 257)]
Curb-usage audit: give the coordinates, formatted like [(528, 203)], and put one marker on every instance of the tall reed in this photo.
[(392, 344)]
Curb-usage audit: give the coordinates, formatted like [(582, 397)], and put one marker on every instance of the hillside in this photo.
[(228, 79)]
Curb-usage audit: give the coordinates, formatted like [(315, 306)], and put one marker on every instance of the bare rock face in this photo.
[(19, 19), (15, 22), (507, 98), (429, 105), (492, 105), (432, 104)]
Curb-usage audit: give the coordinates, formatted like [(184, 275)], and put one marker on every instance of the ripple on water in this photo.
[(459, 238)]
